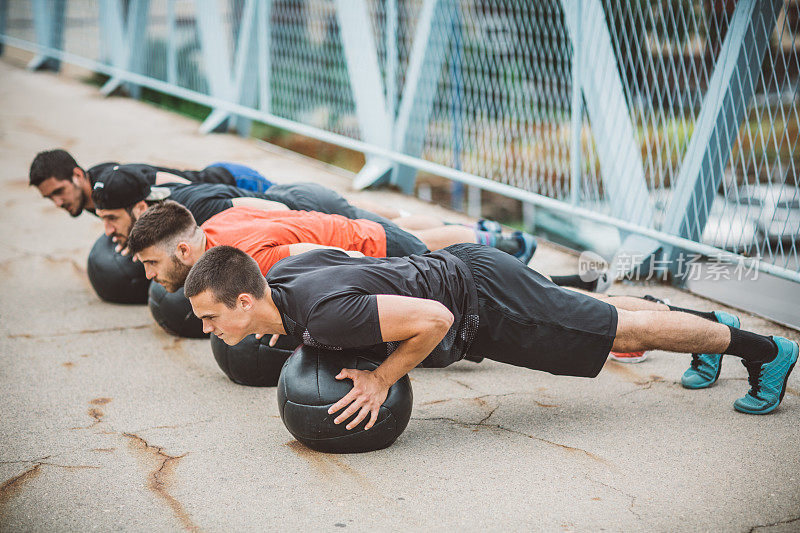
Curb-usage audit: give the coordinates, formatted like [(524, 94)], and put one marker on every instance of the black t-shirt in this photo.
[(328, 299), (208, 175), (204, 200)]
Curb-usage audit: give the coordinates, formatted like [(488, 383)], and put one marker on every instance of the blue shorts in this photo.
[(245, 177)]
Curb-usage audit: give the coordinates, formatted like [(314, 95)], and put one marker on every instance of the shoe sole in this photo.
[(737, 325), (628, 360), (768, 410)]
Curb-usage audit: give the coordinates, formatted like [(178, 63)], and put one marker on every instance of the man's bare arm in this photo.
[(300, 247), (419, 325), (167, 177), (259, 203)]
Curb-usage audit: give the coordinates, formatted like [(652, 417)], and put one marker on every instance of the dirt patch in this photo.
[(100, 401), (13, 486), (624, 371), (315, 459), (97, 416), (326, 463)]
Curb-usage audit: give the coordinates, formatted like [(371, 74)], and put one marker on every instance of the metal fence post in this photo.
[(172, 46), (112, 35), (136, 33), (576, 114), (724, 108), (365, 80), (245, 70), (429, 50), (457, 133), (127, 41), (216, 64), (618, 149), (391, 60), (264, 35), (49, 17), (3, 21)]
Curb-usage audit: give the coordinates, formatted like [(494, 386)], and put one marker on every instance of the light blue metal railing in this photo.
[(674, 121)]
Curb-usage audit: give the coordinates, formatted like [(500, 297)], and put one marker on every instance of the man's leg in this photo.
[(518, 244), (668, 330), (418, 222), (769, 360), (379, 209), (705, 367)]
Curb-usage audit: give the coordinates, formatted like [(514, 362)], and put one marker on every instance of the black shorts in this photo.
[(315, 197), (309, 197), (210, 174), (526, 320), (400, 243)]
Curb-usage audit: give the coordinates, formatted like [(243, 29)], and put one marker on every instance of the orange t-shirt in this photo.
[(266, 235)]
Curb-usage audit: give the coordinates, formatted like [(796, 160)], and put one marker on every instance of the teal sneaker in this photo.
[(484, 224), (705, 367), (768, 380), (527, 246)]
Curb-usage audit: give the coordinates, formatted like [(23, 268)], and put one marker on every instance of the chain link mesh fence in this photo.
[(510, 102)]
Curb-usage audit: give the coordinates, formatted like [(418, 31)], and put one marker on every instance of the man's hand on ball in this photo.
[(366, 397)]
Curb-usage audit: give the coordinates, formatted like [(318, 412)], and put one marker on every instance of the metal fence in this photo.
[(675, 121)]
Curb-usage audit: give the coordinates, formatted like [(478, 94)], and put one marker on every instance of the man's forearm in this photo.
[(258, 203), (408, 355)]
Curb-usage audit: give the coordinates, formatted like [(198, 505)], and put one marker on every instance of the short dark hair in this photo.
[(161, 224), (57, 164), (227, 272)]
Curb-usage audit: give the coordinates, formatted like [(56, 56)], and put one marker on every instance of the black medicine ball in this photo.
[(253, 362), (115, 277), (307, 388), (173, 312)]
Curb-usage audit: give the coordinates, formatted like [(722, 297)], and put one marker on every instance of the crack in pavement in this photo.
[(646, 384), (48, 257), (72, 467), (465, 385), (482, 424), (12, 486), (41, 461), (615, 489), (479, 399), (96, 414), (779, 523), (487, 417), (20, 461), (81, 332), (159, 477), (177, 426)]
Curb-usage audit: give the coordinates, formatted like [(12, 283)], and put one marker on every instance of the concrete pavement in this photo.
[(107, 422)]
